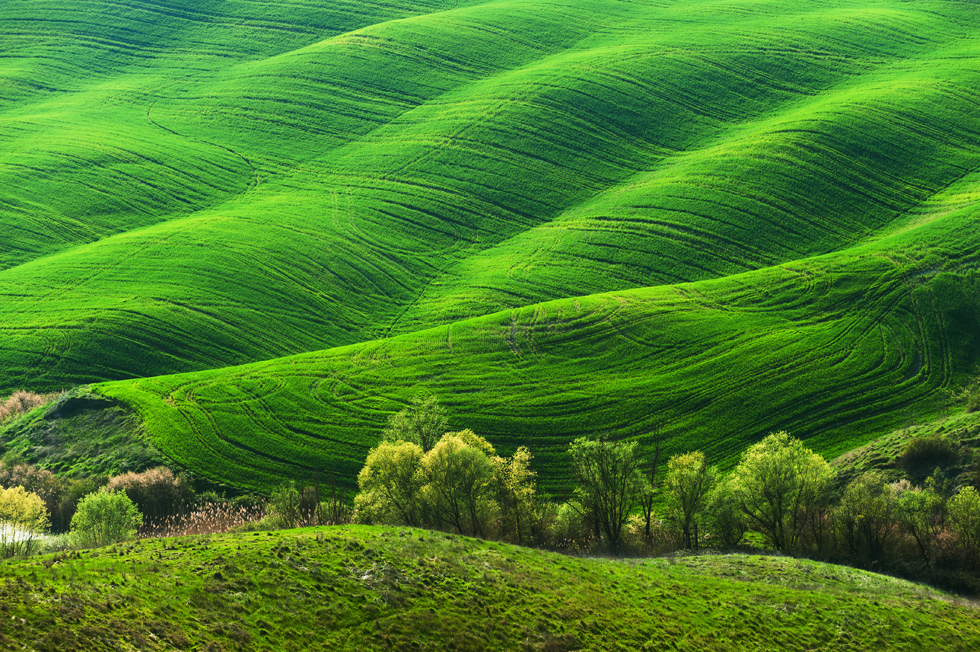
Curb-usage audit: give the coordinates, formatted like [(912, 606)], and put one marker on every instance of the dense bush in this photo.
[(105, 517), (922, 455)]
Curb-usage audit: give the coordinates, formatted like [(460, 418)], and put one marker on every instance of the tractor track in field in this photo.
[(250, 186)]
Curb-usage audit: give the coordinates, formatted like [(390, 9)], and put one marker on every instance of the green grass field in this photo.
[(371, 588), (266, 226)]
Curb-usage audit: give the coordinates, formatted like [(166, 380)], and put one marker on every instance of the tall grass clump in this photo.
[(210, 518)]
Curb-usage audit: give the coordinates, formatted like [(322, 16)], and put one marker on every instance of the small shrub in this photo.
[(105, 517), (22, 402), (924, 454)]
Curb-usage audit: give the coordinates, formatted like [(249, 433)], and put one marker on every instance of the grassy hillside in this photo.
[(833, 350), (387, 588), (563, 218)]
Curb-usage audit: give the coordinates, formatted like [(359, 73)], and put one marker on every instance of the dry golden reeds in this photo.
[(22, 402), (212, 518)]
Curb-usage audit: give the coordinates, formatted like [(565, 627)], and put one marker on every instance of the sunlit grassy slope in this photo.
[(568, 217), (370, 588)]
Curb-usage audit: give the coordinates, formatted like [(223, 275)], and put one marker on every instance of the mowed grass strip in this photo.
[(372, 588)]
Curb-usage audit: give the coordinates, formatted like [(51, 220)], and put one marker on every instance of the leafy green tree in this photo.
[(687, 484), (296, 505), (105, 517), (655, 441), (778, 485), (867, 516), (516, 490), (964, 516), (922, 514), (726, 520), (423, 422), (610, 484), (459, 476), (23, 517), (391, 484)]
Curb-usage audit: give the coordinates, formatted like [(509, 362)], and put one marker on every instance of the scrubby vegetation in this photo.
[(22, 402)]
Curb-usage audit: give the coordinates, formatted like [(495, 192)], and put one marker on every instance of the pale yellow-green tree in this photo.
[(459, 482), (779, 484), (391, 485), (964, 516), (422, 422), (688, 482), (516, 488), (23, 518)]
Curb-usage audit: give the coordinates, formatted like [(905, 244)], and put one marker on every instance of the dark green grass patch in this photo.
[(391, 588)]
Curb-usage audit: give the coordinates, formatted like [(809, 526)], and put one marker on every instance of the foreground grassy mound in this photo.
[(391, 588)]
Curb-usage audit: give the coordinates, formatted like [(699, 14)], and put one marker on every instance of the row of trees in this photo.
[(781, 495), (789, 497), (459, 484)]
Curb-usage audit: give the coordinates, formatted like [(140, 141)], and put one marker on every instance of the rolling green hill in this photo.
[(264, 226), (368, 588)]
